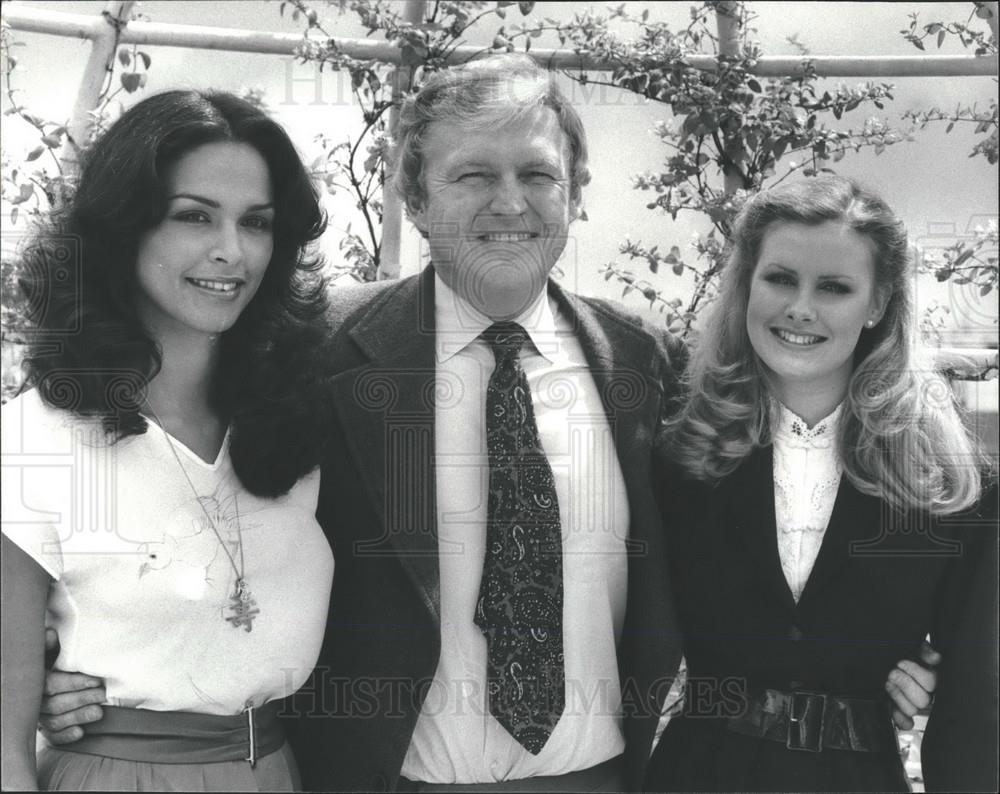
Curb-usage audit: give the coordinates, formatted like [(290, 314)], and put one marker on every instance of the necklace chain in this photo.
[(242, 601)]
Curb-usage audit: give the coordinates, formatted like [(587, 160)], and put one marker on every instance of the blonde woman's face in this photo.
[(812, 292)]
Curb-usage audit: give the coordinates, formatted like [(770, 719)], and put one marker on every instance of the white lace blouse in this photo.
[(807, 473)]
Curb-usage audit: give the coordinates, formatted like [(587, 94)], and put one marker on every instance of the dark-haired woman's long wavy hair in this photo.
[(901, 437), (88, 351)]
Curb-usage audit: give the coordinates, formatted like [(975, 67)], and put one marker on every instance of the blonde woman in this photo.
[(823, 517)]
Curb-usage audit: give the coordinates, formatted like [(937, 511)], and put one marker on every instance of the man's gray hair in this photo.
[(482, 94)]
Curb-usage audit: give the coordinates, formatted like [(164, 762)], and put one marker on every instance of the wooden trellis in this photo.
[(112, 27)]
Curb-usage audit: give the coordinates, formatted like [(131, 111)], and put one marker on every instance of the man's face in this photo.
[(498, 208)]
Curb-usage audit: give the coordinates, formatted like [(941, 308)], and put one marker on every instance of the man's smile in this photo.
[(506, 237)]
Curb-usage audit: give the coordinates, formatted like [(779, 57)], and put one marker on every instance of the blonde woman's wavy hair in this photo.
[(901, 437)]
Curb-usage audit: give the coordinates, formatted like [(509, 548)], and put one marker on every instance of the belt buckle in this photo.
[(806, 720), (252, 731)]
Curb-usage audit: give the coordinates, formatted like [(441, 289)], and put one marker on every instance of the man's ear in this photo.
[(575, 204), (417, 214)]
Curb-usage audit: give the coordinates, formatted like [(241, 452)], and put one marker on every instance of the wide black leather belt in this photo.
[(816, 721)]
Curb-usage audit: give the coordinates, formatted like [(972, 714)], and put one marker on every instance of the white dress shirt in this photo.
[(807, 471), (456, 740)]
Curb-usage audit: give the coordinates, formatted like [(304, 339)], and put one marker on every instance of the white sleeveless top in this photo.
[(142, 584)]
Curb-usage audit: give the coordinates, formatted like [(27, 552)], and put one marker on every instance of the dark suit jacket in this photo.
[(377, 506), (881, 582)]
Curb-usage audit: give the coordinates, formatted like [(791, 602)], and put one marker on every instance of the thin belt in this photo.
[(182, 737), (606, 776), (814, 721)]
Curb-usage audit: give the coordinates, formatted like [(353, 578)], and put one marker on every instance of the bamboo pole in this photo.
[(727, 23), (38, 20), (392, 204), (103, 41)]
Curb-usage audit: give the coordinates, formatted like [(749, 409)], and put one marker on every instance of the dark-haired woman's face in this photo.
[(200, 267)]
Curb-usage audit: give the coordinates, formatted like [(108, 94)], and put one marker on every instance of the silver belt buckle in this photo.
[(252, 730), (805, 725)]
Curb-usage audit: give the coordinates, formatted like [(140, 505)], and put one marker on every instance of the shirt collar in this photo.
[(793, 428), (458, 323)]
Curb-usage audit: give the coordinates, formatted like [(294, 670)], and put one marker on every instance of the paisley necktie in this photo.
[(521, 593)]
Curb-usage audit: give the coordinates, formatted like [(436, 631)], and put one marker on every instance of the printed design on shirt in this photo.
[(191, 555)]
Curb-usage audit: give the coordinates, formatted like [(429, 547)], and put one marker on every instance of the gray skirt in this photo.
[(59, 770)]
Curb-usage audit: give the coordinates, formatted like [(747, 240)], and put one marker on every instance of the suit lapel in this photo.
[(623, 364), (386, 411), (853, 519), (627, 366), (750, 508)]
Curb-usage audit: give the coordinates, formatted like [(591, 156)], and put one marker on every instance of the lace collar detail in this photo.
[(792, 429)]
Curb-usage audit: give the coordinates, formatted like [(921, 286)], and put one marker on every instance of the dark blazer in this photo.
[(881, 582), (377, 507)]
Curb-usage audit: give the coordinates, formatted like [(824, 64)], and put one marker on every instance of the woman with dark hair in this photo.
[(823, 515), (195, 589)]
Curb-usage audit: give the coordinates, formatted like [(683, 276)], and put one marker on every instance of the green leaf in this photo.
[(754, 86), (678, 269), (146, 60), (34, 154), (13, 216), (940, 39), (124, 58), (983, 11), (131, 81), (985, 290), (525, 7), (51, 140), (25, 192), (963, 257)]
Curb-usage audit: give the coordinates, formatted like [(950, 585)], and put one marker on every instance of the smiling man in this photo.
[(487, 493)]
